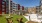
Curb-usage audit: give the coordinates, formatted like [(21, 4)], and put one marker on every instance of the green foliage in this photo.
[(3, 19)]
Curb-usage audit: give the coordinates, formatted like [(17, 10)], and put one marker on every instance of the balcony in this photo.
[(3, 9)]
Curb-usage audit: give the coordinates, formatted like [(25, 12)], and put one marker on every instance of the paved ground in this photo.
[(33, 17)]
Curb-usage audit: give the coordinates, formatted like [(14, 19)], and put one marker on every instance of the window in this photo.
[(41, 5), (3, 6), (4, 0), (11, 6), (11, 1), (15, 5), (7, 5), (3, 3), (41, 10), (7, 10), (7, 1), (3, 9), (41, 1)]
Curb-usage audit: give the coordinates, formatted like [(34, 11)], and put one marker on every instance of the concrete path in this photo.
[(33, 17)]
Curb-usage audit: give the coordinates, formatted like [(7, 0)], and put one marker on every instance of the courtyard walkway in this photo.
[(32, 17)]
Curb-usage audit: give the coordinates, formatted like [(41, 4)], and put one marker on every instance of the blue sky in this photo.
[(27, 3)]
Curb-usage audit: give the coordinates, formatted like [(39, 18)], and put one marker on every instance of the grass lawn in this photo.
[(3, 19)]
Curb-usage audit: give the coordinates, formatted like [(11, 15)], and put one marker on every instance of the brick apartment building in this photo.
[(22, 7), (37, 9), (32, 10), (11, 8), (7, 6), (2, 6), (18, 6), (40, 7)]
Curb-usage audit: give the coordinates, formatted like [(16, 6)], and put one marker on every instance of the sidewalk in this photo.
[(33, 17)]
